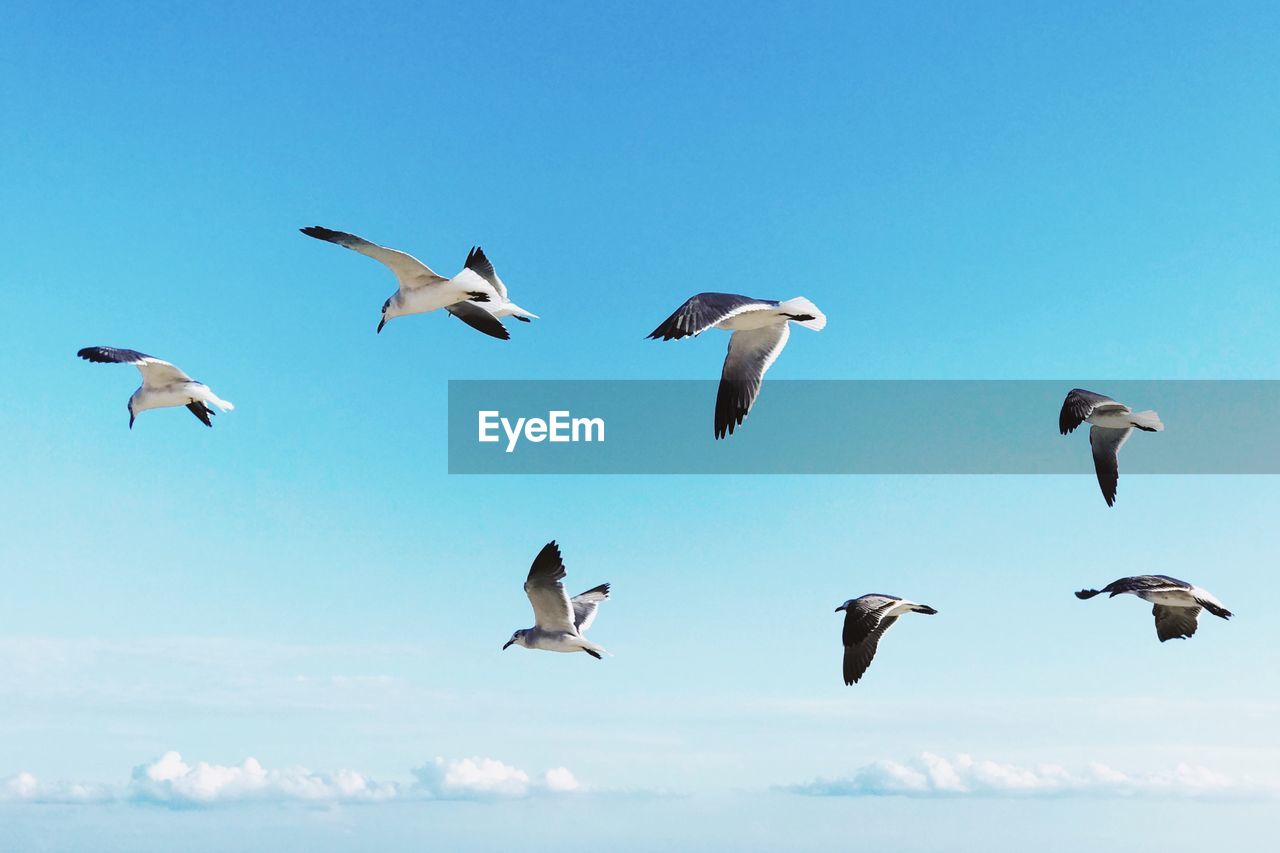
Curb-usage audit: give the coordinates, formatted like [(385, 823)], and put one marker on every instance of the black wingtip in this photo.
[(1086, 594), (594, 654)]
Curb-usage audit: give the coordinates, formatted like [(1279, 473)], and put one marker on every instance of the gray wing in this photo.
[(1174, 622), (1106, 443), (703, 311), (156, 373), (1145, 583), (586, 604), (862, 616), (858, 657), (479, 264), (1079, 405), (410, 272), (551, 608), (479, 319), (751, 352)]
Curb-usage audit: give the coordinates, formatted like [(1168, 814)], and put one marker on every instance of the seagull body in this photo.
[(1112, 423), (1175, 603), (559, 621), (476, 295), (163, 385), (866, 618), (760, 329)]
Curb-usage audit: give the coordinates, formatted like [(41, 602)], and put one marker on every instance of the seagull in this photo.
[(866, 618), (1112, 423), (1175, 603), (162, 384), (476, 295), (559, 621), (760, 330)]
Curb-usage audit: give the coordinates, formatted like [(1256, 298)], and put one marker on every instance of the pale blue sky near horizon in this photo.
[(1005, 191)]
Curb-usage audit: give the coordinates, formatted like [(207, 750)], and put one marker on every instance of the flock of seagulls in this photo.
[(759, 331), (560, 622)]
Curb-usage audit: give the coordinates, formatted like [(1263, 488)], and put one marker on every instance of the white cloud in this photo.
[(485, 778), (169, 780), (934, 776)]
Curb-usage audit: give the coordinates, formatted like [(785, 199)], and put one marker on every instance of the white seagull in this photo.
[(559, 621), (162, 384), (866, 618), (760, 330), (1112, 424), (476, 295), (1175, 603)]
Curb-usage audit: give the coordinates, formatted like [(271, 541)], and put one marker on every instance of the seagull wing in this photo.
[(551, 608), (586, 604), (751, 352), (479, 319), (862, 615), (703, 311), (1174, 622), (1106, 443), (410, 272), (858, 657), (1080, 404), (1146, 583), (155, 372), (479, 264)]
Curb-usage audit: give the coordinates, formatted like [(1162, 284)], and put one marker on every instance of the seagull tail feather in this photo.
[(804, 312), (1147, 421)]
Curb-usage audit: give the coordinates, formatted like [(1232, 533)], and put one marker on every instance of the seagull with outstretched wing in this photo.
[(760, 330), (1112, 423), (1175, 604), (476, 295), (162, 384), (559, 621), (866, 618)]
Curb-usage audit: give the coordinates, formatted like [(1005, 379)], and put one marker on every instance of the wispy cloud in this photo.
[(932, 775), (170, 781)]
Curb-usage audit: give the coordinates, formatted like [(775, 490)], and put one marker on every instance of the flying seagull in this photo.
[(476, 295), (1175, 603), (162, 384), (559, 621), (866, 618), (1112, 423), (760, 330)]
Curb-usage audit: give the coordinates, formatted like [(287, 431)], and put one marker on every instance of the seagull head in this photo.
[(517, 639), (389, 312), (844, 606)]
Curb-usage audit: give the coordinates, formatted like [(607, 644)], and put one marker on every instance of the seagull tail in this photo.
[(521, 314), (804, 312), (1147, 421), (221, 403)]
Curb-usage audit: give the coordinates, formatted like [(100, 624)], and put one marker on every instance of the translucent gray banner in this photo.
[(852, 427)]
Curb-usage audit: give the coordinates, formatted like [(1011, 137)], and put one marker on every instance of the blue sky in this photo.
[(966, 194)]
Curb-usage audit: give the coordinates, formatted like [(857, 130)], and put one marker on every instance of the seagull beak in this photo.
[(131, 417), (507, 645), (381, 323), (841, 607)]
